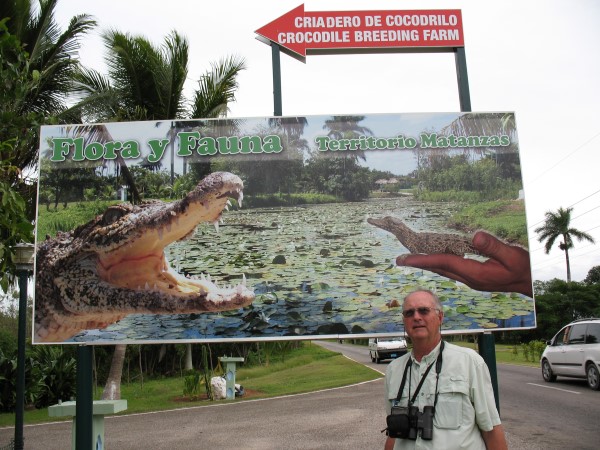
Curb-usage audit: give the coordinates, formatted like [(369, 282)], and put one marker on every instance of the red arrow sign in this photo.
[(299, 31)]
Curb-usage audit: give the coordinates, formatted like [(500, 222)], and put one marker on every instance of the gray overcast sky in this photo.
[(538, 58)]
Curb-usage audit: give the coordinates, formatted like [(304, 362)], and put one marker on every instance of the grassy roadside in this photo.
[(505, 354), (306, 369)]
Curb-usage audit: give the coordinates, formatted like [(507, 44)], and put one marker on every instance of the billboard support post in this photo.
[(85, 399), (276, 59), (487, 350), (487, 347), (462, 79)]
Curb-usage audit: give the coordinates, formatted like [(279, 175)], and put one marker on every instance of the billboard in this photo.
[(278, 227)]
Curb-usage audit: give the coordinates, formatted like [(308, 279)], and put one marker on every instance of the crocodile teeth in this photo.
[(216, 224), (240, 198)]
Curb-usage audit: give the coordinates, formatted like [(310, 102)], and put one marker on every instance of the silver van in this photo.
[(574, 352)]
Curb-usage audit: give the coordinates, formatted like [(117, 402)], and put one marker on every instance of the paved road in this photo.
[(349, 418), (536, 417), (553, 415)]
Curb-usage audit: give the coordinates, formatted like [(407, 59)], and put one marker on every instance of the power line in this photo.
[(583, 214), (567, 156), (576, 217), (585, 198)]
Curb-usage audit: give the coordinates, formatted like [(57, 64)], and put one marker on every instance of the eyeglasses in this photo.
[(423, 311)]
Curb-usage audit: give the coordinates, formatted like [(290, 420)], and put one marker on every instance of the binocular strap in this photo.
[(438, 369)]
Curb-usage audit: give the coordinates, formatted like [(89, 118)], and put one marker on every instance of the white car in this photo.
[(574, 352), (386, 348)]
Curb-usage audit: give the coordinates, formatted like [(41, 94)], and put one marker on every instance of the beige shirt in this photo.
[(465, 402)]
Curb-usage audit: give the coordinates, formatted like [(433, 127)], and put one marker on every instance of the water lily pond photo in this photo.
[(270, 228)]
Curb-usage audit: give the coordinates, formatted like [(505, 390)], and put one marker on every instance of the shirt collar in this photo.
[(428, 358)]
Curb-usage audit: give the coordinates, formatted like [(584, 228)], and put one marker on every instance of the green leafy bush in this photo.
[(56, 368), (191, 384), (8, 381), (532, 351)]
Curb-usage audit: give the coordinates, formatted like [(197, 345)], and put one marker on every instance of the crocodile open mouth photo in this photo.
[(115, 264)]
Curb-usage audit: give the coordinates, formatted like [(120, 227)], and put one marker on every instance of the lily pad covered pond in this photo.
[(318, 270)]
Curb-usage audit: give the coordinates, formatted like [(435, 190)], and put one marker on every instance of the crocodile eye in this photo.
[(113, 213)]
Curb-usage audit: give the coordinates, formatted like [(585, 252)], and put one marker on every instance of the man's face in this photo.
[(422, 326)]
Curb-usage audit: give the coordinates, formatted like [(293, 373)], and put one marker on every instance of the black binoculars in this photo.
[(407, 422)]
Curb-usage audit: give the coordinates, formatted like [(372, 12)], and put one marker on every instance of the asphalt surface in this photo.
[(350, 418)]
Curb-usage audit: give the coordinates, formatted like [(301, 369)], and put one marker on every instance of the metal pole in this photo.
[(20, 406), (487, 350), (487, 347), (276, 60), (462, 78), (84, 406)]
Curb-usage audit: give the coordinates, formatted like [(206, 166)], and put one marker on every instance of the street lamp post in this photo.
[(24, 265)]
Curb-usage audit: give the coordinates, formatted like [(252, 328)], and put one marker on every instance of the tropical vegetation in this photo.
[(37, 66)]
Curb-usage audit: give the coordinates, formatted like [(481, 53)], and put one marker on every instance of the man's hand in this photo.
[(508, 268), (389, 443)]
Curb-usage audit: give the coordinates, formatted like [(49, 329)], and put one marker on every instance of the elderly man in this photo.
[(440, 395)]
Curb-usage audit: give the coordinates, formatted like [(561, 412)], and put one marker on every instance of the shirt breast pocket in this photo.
[(453, 395)]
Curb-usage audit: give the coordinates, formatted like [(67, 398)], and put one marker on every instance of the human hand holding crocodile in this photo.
[(507, 269)]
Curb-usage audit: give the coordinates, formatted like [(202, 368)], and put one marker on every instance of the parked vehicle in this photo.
[(574, 352), (386, 348)]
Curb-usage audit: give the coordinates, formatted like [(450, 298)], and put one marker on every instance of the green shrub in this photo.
[(8, 381), (532, 351), (191, 385), (56, 368), (8, 342)]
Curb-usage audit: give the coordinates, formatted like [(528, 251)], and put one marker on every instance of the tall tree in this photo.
[(144, 82), (44, 79), (558, 225), (593, 276), (211, 100), (37, 61)]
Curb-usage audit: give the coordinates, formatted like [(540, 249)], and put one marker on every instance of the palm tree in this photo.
[(36, 65), (557, 225), (146, 83), (143, 82), (46, 72)]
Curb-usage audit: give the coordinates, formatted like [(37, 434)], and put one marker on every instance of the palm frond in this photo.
[(216, 88)]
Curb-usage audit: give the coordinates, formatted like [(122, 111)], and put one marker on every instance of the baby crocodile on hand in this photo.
[(426, 243), (115, 265)]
